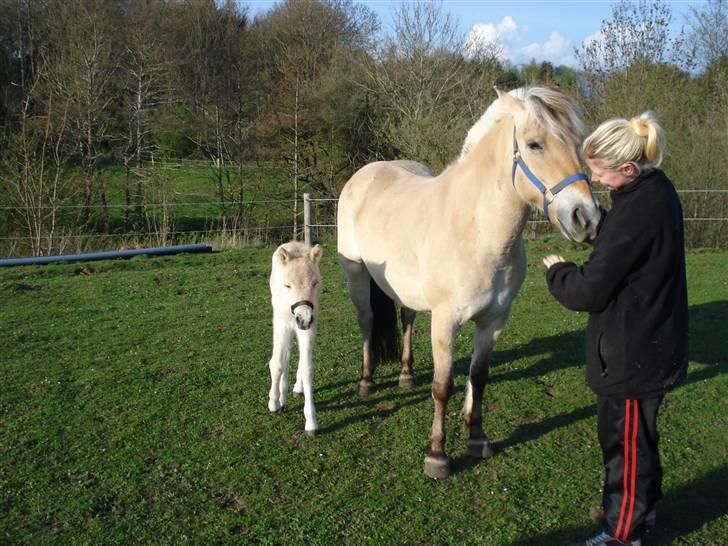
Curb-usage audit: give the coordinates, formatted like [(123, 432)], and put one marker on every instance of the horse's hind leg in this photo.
[(406, 375), (437, 464), (358, 282), (486, 334)]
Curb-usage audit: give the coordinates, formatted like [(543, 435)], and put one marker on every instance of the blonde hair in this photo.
[(640, 141)]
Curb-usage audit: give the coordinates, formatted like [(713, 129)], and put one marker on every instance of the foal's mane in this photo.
[(554, 110)]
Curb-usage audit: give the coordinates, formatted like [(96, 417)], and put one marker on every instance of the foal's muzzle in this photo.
[(304, 318)]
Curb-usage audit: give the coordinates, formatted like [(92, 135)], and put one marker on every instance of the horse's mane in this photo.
[(557, 112)]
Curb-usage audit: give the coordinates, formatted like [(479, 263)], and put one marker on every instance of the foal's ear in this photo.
[(510, 103), (316, 253), (283, 256)]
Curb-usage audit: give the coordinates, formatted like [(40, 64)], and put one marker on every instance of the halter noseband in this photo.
[(299, 303), (549, 194)]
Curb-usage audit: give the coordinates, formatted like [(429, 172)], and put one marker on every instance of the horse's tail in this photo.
[(385, 330)]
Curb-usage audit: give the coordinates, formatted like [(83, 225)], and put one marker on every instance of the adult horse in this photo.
[(452, 244)]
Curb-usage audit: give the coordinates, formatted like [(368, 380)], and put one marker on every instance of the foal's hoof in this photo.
[(296, 394), (311, 433), (366, 388), (406, 381), (437, 467), (480, 449)]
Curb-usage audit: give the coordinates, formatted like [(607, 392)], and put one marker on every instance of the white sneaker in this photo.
[(603, 539)]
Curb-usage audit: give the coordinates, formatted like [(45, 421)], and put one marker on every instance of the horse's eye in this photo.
[(534, 146), (287, 285), (315, 283)]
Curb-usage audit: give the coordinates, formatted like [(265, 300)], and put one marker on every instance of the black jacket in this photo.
[(635, 291)]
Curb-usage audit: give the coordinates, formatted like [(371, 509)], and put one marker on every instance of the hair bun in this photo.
[(641, 124)]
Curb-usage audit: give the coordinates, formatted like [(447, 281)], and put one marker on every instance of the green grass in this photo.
[(133, 409)]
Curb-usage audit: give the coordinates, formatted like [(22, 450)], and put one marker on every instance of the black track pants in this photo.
[(633, 475)]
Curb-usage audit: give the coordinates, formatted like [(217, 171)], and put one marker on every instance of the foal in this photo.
[(295, 287)]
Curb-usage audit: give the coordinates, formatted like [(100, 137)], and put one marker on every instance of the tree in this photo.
[(146, 73), (83, 71), (429, 90), (708, 30), (308, 71), (638, 34)]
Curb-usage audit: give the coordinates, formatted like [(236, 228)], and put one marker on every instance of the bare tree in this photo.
[(708, 30), (83, 70), (33, 166), (147, 88), (638, 34), (430, 86), (307, 63)]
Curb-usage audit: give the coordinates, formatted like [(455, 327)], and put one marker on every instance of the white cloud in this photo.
[(506, 34), (486, 35), (507, 28)]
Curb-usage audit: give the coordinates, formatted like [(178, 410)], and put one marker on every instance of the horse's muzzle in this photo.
[(304, 318)]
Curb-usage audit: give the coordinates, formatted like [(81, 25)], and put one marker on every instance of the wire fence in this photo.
[(25, 230)]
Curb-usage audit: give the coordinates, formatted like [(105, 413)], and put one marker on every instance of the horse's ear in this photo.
[(283, 256), (510, 103), (316, 253)]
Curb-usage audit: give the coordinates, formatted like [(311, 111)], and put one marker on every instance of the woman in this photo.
[(633, 285)]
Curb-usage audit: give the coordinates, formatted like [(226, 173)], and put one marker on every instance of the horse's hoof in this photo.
[(296, 393), (366, 388), (311, 433), (274, 407), (437, 467), (406, 381), (480, 449)]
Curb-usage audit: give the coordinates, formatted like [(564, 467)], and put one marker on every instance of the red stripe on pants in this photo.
[(627, 414), (635, 427)]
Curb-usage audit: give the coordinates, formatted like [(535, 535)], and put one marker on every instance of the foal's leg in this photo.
[(437, 464), (359, 290), (279, 363), (306, 340), (486, 334), (406, 375)]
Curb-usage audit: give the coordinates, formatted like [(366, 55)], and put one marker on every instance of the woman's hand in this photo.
[(552, 259)]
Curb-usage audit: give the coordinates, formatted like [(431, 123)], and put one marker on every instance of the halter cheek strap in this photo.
[(299, 303), (549, 194)]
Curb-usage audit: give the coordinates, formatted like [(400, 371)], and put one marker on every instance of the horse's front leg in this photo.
[(279, 363), (406, 375), (437, 464), (484, 338), (304, 374)]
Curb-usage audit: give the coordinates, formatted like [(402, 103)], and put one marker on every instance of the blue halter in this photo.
[(549, 194)]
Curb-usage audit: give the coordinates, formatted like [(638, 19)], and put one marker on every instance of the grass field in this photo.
[(133, 410)]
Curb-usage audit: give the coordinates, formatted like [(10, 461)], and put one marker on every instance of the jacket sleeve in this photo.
[(591, 286)]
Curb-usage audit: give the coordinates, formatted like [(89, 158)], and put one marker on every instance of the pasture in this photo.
[(133, 410)]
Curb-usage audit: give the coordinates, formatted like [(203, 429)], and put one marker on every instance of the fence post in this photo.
[(307, 218)]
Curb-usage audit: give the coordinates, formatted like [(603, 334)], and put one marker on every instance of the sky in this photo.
[(544, 30)]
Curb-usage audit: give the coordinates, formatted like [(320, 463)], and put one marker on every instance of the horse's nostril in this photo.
[(579, 219)]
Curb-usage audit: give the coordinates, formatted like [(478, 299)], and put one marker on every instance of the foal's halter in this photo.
[(549, 194), (299, 303)]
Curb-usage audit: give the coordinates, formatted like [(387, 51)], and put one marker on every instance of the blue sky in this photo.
[(525, 29)]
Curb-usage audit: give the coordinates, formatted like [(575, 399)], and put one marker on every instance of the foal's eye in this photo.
[(315, 283), (287, 285), (534, 146)]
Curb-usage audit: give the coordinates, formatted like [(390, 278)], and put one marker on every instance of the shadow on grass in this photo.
[(563, 350), (683, 510)]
